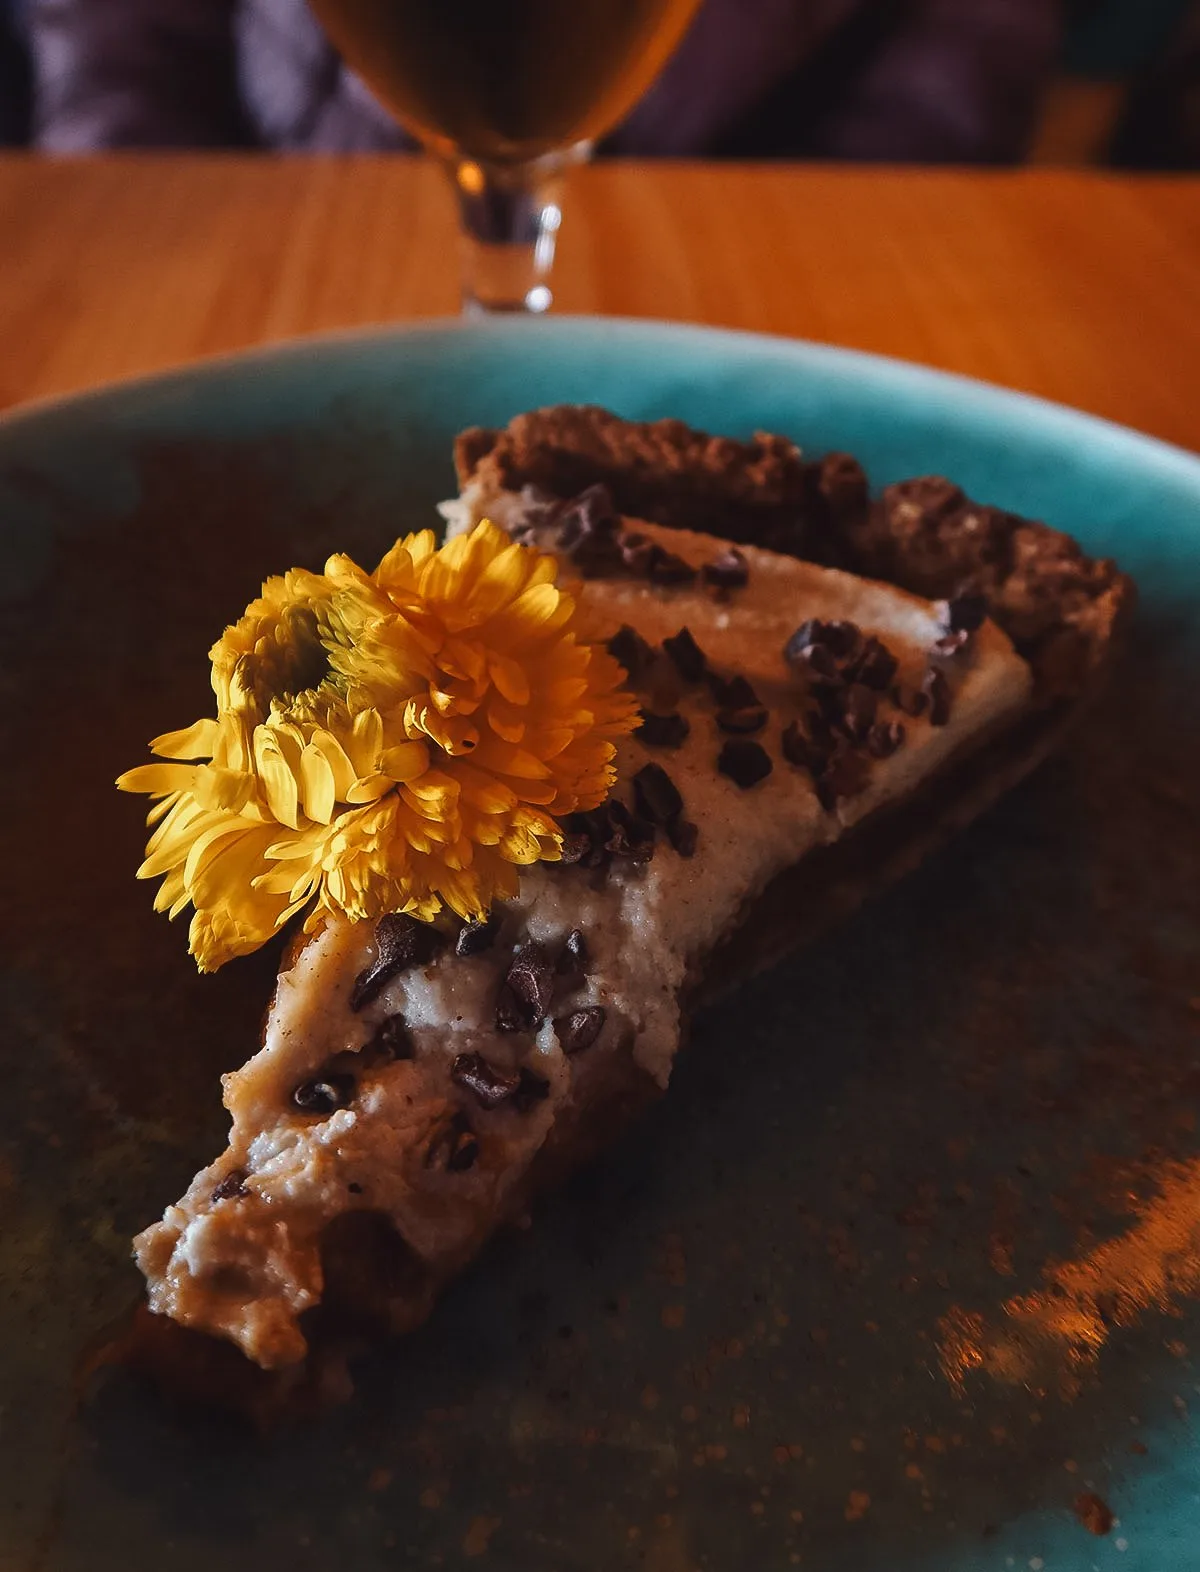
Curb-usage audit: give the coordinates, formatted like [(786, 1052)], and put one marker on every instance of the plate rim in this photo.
[(989, 400)]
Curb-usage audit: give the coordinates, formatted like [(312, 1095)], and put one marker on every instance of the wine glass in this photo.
[(508, 94)]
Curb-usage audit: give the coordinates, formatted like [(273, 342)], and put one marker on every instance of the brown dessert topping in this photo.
[(841, 639), (575, 848), (664, 567), (731, 693), (627, 835), (589, 532), (746, 763), (911, 700), (838, 770), (884, 738), (402, 942), (656, 795), (845, 775), (937, 690), (455, 1146), (742, 722), (524, 996), (687, 655), (391, 1041), (856, 712), (490, 1085), (531, 1089), (663, 731), (573, 957), (874, 666), (729, 571), (630, 649), (610, 830), (800, 749), (231, 1188), (958, 619), (325, 1095), (579, 1029), (476, 937)]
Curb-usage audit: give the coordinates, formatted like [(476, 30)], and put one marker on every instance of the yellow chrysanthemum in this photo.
[(397, 741)]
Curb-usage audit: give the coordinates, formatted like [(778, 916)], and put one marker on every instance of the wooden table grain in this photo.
[(1083, 287)]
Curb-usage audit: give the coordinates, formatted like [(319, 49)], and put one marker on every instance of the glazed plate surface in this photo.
[(904, 1266)]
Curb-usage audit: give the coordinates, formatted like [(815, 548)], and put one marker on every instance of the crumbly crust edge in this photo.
[(1063, 609)]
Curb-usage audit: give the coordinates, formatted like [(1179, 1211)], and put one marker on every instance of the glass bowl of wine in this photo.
[(508, 94)]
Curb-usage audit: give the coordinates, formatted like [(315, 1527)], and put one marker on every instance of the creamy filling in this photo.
[(413, 1143)]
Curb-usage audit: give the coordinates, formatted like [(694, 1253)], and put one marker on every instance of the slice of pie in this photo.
[(828, 687)]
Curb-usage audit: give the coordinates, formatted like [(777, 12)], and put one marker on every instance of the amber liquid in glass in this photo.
[(506, 80)]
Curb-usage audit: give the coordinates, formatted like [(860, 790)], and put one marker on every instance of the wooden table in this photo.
[(1082, 287)]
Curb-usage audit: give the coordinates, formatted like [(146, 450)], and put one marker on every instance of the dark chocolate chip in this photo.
[(325, 1094), (884, 738), (859, 706), (728, 571), (605, 832), (845, 775), (590, 530), (590, 515), (455, 1146), (580, 1028), (573, 957), (666, 568), (625, 834), (800, 749), (656, 794), (231, 1188), (683, 835), (662, 731), (531, 1089), (575, 848), (815, 658), (841, 639), (637, 553), (629, 648), (963, 614), (937, 689), (401, 942), (524, 996), (687, 655), (874, 666), (354, 1187), (731, 693), (476, 937), (628, 835), (911, 700), (741, 723), (746, 763), (391, 1041), (490, 1085)]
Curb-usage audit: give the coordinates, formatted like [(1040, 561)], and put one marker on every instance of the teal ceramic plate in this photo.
[(904, 1266)]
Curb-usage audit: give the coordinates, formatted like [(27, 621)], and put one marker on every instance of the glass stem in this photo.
[(509, 217)]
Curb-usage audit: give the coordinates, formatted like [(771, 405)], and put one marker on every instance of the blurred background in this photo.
[(1102, 82)]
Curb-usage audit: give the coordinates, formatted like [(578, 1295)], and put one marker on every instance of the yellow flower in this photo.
[(397, 741)]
